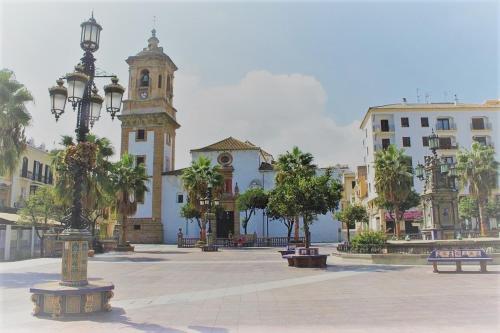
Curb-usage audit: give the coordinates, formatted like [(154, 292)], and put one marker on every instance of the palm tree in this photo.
[(14, 117), (196, 180), (129, 184), (97, 187), (478, 172), (295, 163), (393, 180)]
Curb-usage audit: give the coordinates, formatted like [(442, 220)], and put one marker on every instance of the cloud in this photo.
[(275, 112)]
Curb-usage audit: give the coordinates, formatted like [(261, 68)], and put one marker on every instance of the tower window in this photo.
[(140, 135), (169, 85), (144, 78), (159, 80)]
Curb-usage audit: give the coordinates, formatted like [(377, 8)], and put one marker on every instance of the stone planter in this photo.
[(125, 248), (108, 244), (306, 258), (91, 253)]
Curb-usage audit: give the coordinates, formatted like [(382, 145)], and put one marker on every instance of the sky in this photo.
[(279, 74)]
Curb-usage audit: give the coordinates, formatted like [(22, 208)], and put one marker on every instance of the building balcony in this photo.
[(383, 129), (448, 147), (486, 126), (446, 127)]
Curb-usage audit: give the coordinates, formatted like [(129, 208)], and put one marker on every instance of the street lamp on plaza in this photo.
[(207, 202), (74, 294)]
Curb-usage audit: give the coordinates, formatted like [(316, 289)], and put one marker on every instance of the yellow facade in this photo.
[(33, 170)]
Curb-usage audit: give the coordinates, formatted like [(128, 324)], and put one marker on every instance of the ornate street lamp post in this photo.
[(74, 294), (440, 195), (207, 203)]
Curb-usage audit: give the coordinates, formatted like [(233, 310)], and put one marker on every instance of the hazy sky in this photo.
[(276, 73)]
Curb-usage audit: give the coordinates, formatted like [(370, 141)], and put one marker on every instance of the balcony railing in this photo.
[(446, 127), (481, 127), (452, 146), (383, 129)]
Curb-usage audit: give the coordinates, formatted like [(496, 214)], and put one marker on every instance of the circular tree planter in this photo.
[(306, 258)]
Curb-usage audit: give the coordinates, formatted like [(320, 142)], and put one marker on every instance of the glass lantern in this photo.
[(77, 81), (113, 95), (91, 32), (58, 96), (95, 106), (433, 141), (419, 171), (444, 167)]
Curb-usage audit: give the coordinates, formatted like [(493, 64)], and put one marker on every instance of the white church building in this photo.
[(149, 132)]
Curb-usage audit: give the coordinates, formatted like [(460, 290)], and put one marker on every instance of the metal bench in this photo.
[(459, 256)]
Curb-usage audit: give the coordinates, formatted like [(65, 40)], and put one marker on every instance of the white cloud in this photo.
[(275, 112)]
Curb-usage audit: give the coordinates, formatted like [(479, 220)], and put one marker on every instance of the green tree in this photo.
[(196, 180), (281, 207), (350, 215), (478, 173), (129, 183), (191, 212), (468, 208), (39, 208), (14, 118), (311, 194), (249, 201), (411, 201), (393, 180)]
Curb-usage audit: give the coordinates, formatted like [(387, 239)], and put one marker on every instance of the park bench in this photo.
[(209, 248), (459, 256)]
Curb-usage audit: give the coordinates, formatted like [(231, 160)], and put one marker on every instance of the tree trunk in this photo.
[(482, 218), (348, 233), (289, 227), (397, 227), (124, 230), (306, 232)]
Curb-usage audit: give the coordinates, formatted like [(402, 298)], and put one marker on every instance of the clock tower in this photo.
[(148, 133)]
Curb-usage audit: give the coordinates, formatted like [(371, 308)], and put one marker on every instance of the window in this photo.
[(478, 123), (140, 135), (386, 143), (406, 141), (448, 159), (180, 198), (24, 171), (35, 170), (425, 141), (167, 163), (443, 124), (168, 139), (353, 184), (137, 227), (40, 171), (169, 84), (384, 125), (424, 121), (480, 139), (405, 122), (159, 81), (46, 175), (140, 160), (445, 143), (144, 79)]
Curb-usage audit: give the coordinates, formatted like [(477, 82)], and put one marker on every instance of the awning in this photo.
[(410, 215)]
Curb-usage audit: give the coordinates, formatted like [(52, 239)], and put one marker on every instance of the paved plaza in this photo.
[(161, 288)]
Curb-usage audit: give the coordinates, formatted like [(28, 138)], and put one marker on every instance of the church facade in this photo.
[(149, 129)]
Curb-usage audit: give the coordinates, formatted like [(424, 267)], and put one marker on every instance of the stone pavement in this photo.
[(160, 288)]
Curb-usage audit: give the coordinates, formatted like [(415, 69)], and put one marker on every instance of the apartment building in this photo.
[(408, 126), (33, 170)]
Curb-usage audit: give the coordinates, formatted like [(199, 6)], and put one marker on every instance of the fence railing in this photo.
[(241, 242)]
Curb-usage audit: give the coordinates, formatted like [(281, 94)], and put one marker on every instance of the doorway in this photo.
[(225, 223)]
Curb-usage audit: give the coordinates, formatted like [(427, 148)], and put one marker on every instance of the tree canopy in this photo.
[(249, 201)]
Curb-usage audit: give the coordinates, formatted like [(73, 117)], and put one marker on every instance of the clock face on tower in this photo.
[(143, 94)]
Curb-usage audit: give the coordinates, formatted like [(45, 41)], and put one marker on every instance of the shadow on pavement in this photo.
[(117, 315), (208, 329), (126, 259), (365, 268), (26, 279), (162, 252)]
